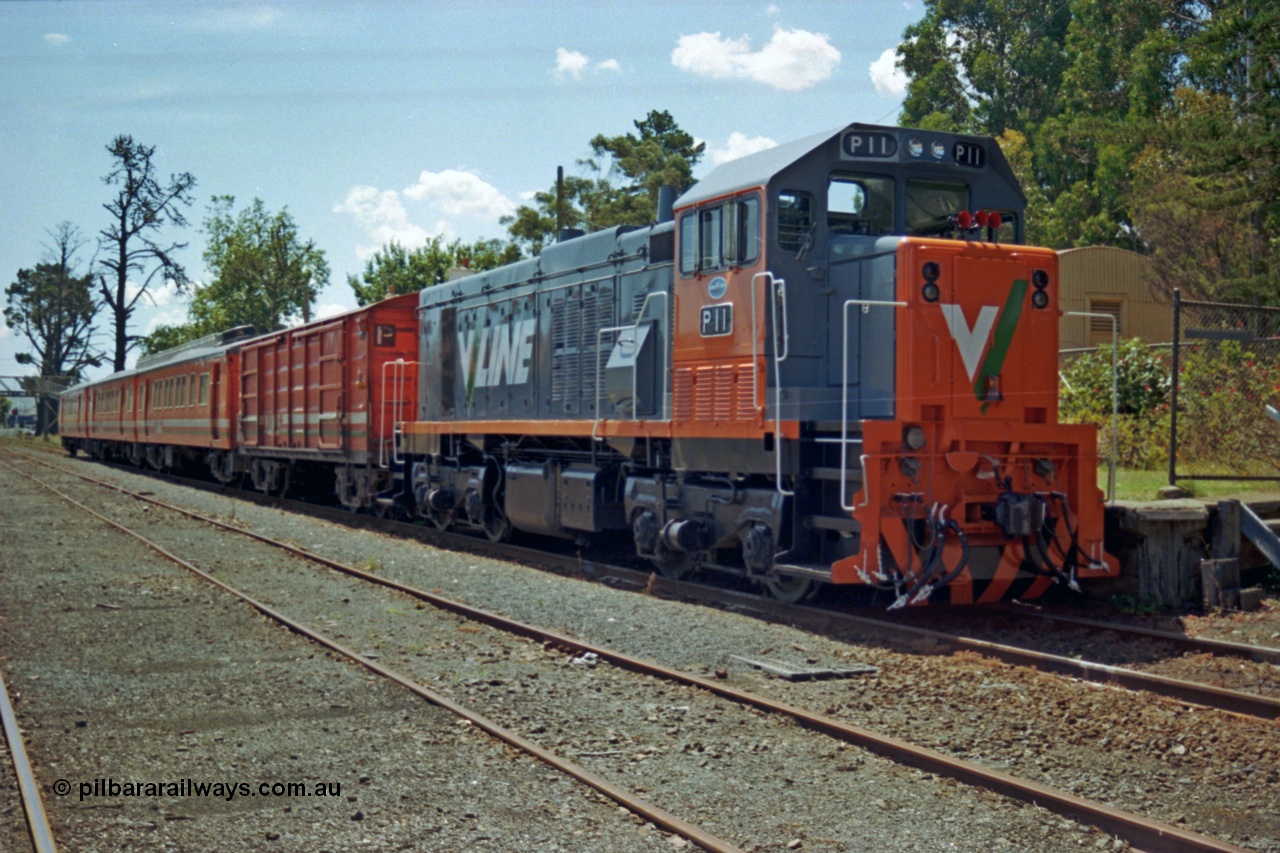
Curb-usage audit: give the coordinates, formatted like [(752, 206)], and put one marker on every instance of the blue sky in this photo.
[(374, 121)]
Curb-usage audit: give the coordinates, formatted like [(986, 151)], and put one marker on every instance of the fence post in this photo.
[(1173, 391)]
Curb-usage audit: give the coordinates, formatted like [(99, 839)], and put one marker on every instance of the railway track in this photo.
[(1139, 831), (830, 619), (623, 797), (32, 802)]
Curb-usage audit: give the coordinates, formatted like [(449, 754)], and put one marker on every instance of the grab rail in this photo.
[(399, 371)]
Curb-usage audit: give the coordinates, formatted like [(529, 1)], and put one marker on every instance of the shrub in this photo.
[(1142, 383)]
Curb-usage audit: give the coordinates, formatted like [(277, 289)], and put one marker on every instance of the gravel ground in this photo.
[(769, 783), (126, 668)]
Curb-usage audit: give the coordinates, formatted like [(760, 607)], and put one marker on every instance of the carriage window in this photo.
[(795, 219), (204, 388), (931, 203), (860, 204)]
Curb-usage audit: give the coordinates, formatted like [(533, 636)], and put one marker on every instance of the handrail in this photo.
[(756, 400), (400, 369), (779, 299), (666, 372), (867, 305)]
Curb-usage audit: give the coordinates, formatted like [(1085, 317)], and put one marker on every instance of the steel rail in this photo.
[(658, 816), (1260, 654), (1139, 831), (32, 803)]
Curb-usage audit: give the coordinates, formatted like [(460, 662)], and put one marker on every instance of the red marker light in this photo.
[(964, 220), (981, 218), (995, 220)]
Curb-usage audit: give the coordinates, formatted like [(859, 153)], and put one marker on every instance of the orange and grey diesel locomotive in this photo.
[(830, 362)]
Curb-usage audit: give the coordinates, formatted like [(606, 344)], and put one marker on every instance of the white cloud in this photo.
[(173, 317), (739, 145), (158, 296), (792, 60), (571, 63), (441, 196), (228, 18), (886, 76), (57, 39), (330, 309), (382, 214), (459, 193)]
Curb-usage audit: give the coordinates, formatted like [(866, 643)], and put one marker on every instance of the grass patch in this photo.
[(1145, 485)]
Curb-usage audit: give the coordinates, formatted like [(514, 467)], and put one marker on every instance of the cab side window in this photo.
[(860, 204), (720, 236), (795, 219)]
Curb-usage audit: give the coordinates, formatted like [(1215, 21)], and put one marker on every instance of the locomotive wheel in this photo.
[(673, 564), (789, 589)]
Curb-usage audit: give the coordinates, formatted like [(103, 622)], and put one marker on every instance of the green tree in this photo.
[(54, 309), (984, 66), (1217, 146), (393, 269), (132, 250), (623, 176), (263, 272)]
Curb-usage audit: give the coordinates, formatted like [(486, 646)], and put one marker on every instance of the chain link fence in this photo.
[(1225, 395)]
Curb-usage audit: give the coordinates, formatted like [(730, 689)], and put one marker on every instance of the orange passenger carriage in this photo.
[(174, 407)]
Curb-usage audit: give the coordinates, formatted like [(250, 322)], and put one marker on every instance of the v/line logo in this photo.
[(497, 355), (972, 341)]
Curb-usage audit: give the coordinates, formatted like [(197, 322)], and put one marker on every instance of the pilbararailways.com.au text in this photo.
[(191, 788)]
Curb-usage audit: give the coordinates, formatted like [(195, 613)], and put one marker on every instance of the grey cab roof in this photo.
[(752, 170), (756, 170)]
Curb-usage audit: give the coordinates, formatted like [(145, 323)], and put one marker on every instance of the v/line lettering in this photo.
[(498, 355)]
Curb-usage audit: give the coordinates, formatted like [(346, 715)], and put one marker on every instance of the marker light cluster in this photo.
[(930, 272), (1039, 296)]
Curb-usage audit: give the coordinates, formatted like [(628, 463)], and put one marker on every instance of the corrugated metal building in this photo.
[(1115, 282)]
